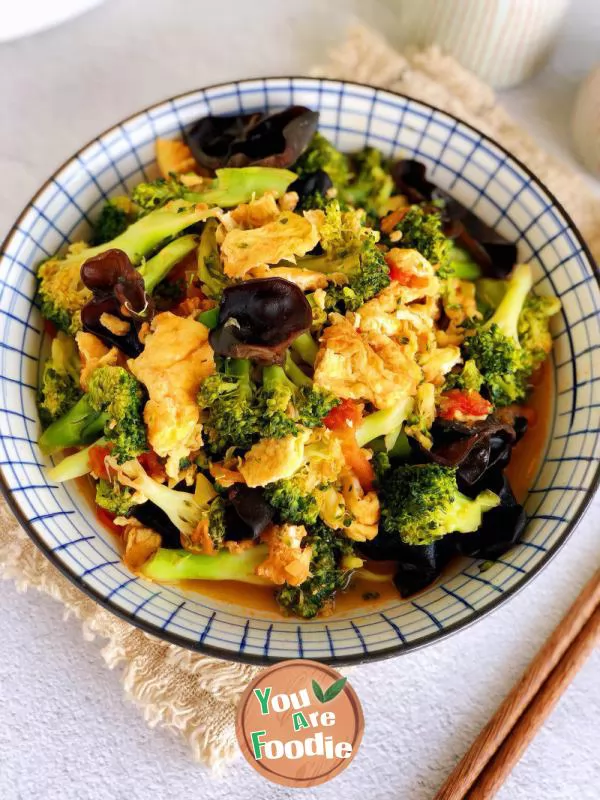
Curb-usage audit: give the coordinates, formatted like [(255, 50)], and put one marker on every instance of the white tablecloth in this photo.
[(65, 731)]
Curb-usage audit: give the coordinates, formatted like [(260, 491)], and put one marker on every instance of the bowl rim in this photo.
[(359, 658)]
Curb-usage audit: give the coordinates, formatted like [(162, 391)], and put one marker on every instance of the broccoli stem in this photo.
[(159, 266), (461, 265), (306, 347), (233, 186), (273, 375), (294, 373), (167, 566), (506, 316), (383, 423), (401, 449), (75, 465), (80, 425), (209, 318)]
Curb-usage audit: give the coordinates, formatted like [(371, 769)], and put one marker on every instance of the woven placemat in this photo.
[(195, 696)]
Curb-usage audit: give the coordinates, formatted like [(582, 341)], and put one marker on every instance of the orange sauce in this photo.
[(521, 471)]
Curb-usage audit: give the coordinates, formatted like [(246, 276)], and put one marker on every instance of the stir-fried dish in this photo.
[(281, 364)]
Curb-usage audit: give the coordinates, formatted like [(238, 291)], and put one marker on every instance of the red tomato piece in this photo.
[(96, 457), (456, 404)]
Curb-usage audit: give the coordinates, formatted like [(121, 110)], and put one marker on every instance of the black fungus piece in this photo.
[(420, 565), (310, 185), (268, 140), (252, 509), (410, 180), (151, 516), (118, 291), (472, 449), (258, 319), (502, 527)]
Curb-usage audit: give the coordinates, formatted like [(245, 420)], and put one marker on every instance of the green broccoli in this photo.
[(422, 230), (168, 566), (59, 388), (322, 155), (291, 501), (74, 465), (350, 249), (283, 405), (185, 510), (158, 267), (227, 399), (533, 326), (306, 347), (421, 503), (386, 422), (459, 264), (62, 295), (371, 184), (230, 187), (113, 497), (468, 378), (113, 406), (495, 348), (210, 269), (327, 574), (116, 215)]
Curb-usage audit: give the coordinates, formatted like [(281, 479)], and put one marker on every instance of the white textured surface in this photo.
[(65, 731)]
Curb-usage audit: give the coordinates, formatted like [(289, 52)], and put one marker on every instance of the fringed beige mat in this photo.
[(195, 696)]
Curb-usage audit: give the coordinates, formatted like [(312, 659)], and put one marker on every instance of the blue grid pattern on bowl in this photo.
[(475, 170)]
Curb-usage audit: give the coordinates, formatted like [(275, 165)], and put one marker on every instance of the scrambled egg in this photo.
[(94, 354), (350, 509), (460, 304), (416, 277), (274, 459), (438, 362), (176, 359), (282, 239), (255, 213), (173, 157), (306, 279), (288, 561), (350, 367)]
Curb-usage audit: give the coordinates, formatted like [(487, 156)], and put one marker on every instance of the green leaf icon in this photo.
[(331, 693), (318, 692), (335, 689)]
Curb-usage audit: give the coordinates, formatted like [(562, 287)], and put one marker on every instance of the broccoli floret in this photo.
[(327, 574), (292, 503), (113, 405), (62, 295), (322, 155), (459, 264), (422, 231), (284, 405), (350, 249), (210, 269), (168, 566), (533, 326), (113, 497), (229, 411), (59, 388), (371, 184), (230, 187), (185, 510), (495, 348), (154, 194), (422, 503), (468, 378), (116, 215)]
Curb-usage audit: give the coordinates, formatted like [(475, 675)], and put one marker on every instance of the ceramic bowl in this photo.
[(473, 168)]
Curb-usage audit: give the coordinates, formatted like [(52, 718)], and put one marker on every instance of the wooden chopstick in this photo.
[(499, 728), (529, 723)]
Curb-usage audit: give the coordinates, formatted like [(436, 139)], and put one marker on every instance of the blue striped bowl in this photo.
[(463, 161)]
